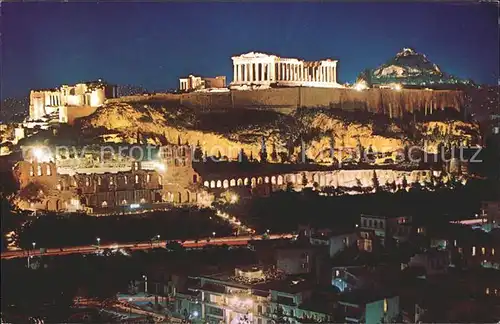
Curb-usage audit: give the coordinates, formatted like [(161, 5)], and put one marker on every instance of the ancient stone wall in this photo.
[(385, 101)]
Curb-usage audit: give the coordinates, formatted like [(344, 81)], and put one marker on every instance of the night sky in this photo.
[(152, 45)]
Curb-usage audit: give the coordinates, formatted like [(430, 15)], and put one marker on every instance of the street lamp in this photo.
[(98, 241), (158, 239), (213, 233), (145, 283), (130, 306), (34, 244)]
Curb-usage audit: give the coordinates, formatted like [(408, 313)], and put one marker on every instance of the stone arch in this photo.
[(280, 179), (188, 196), (266, 179), (124, 201), (273, 179), (206, 184), (104, 204), (212, 184), (219, 184), (179, 197), (142, 201), (245, 182), (293, 178), (225, 183), (253, 181), (195, 178), (322, 180), (239, 182), (83, 201), (232, 183), (259, 180)]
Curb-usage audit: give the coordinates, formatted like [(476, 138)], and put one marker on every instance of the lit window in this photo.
[(48, 171), (492, 251), (111, 181), (39, 170), (148, 177), (160, 179), (125, 178), (104, 204), (98, 181), (32, 171), (455, 243), (473, 250), (87, 181), (136, 178), (460, 250), (487, 291), (337, 273), (385, 305), (483, 251)]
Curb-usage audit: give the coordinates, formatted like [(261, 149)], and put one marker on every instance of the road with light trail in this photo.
[(230, 241)]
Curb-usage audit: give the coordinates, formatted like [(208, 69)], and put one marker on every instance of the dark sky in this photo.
[(152, 44)]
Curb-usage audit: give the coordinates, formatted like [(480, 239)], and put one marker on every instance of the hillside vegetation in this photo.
[(229, 131)]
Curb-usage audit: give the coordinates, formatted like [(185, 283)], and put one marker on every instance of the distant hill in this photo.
[(410, 68)]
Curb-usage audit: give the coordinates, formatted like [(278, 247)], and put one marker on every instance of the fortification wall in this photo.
[(285, 100), (74, 112)]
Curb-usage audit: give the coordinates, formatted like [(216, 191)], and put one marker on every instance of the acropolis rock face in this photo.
[(230, 131)]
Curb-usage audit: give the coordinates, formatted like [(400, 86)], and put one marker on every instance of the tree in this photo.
[(251, 156), (304, 179), (263, 151), (370, 156), (198, 153), (376, 184), (243, 158), (274, 154), (179, 140), (174, 246), (332, 148), (279, 316), (32, 192)]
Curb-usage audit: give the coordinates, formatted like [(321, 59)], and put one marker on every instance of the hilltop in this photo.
[(409, 67)]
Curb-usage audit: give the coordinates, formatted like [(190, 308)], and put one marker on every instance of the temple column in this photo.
[(251, 71), (271, 71), (235, 73), (240, 74), (279, 71), (247, 72)]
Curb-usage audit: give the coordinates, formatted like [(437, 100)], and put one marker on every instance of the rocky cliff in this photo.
[(229, 131)]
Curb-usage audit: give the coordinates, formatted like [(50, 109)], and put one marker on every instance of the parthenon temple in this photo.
[(262, 70)]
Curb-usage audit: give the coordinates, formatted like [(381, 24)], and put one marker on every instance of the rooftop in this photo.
[(364, 296)]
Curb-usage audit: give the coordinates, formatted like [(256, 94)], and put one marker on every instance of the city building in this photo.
[(263, 70), (370, 307), (255, 295), (66, 103), (386, 227), (191, 83), (433, 261)]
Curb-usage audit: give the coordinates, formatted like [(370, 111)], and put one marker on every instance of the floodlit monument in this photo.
[(260, 70), (68, 102)]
